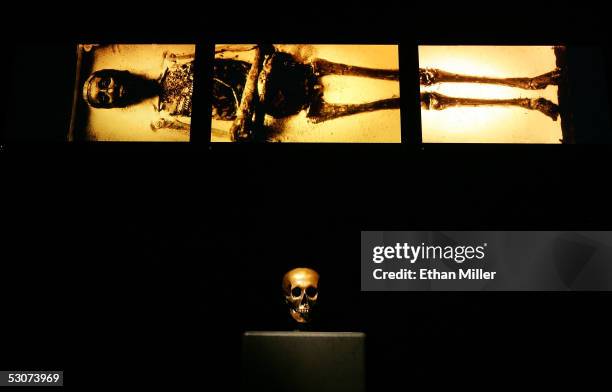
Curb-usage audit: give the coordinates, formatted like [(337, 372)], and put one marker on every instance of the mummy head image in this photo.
[(127, 92), (306, 93), (492, 94)]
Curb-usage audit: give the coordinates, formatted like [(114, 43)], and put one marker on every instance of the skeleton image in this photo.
[(436, 101), (280, 85), (133, 92), (301, 291)]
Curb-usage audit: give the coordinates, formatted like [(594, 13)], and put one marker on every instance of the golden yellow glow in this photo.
[(489, 124), (133, 123), (371, 127)]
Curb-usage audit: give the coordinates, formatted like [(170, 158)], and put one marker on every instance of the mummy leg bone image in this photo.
[(436, 101), (495, 94), (431, 76), (301, 292)]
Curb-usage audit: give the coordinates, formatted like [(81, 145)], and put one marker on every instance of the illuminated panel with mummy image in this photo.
[(306, 93), (493, 94), (133, 92)]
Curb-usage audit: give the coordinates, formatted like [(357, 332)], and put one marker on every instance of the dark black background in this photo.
[(142, 264)]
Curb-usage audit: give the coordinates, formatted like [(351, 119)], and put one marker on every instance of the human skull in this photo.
[(301, 290)]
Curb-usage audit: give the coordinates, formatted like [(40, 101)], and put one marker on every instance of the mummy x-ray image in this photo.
[(133, 93), (306, 93), (492, 94)]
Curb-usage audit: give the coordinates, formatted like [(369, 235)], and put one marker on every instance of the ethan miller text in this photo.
[(471, 274)]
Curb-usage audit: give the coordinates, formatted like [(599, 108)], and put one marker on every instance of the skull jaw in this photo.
[(300, 317)]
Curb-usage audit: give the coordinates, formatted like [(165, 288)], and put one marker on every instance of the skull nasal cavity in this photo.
[(296, 291)]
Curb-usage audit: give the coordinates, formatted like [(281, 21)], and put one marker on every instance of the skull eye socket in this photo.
[(296, 292), (311, 291)]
